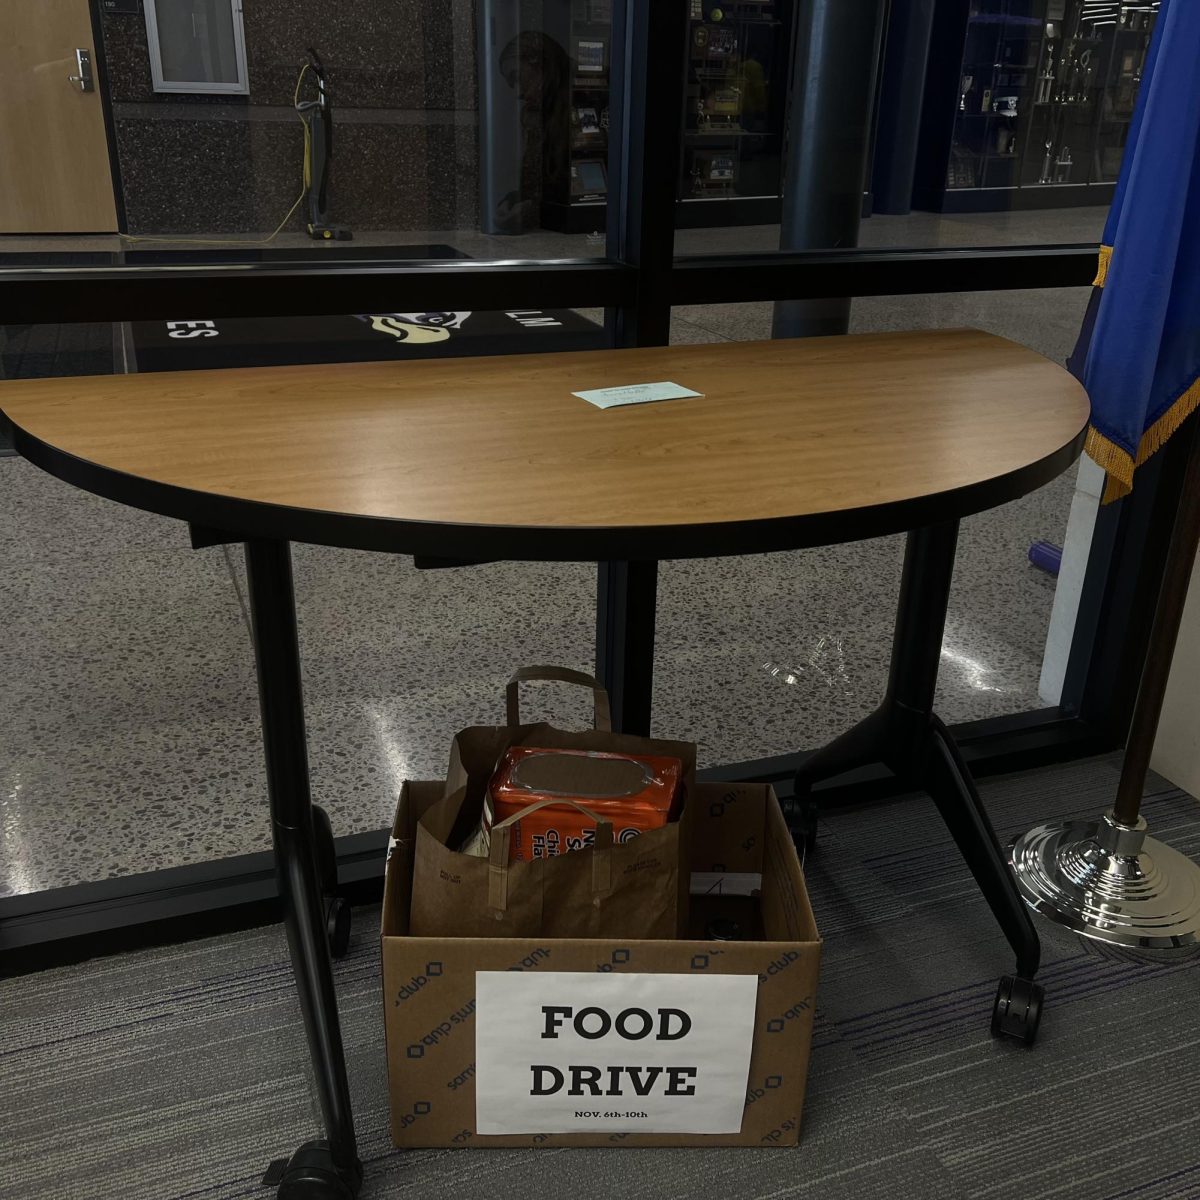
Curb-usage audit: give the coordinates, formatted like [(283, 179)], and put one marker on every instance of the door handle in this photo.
[(84, 81)]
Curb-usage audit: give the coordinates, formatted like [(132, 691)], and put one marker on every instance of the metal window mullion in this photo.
[(648, 73), (642, 291), (646, 108)]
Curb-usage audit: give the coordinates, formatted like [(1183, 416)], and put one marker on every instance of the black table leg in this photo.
[(626, 600), (948, 780), (329, 1167), (906, 736)]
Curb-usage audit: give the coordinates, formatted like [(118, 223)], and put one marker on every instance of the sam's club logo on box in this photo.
[(417, 982), (422, 1108)]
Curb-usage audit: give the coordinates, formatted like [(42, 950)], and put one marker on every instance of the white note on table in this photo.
[(635, 393)]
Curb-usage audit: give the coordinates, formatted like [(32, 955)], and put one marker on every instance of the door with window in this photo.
[(55, 175)]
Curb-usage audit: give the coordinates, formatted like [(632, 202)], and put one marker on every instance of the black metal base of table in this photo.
[(907, 737), (329, 1168)]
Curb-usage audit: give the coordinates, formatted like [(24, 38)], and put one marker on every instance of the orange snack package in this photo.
[(635, 792)]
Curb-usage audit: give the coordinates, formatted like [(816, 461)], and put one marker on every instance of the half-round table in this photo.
[(793, 443)]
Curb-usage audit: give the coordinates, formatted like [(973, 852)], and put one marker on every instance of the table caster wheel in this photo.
[(311, 1174), (1018, 1009), (337, 923)]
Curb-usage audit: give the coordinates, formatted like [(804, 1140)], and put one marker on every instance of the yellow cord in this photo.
[(306, 180)]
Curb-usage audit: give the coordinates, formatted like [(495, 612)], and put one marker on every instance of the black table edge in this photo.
[(244, 519)]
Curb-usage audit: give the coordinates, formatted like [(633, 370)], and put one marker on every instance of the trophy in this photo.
[(1045, 81), (1047, 162)]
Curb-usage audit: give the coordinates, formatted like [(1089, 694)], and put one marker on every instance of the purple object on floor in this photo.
[(1046, 555)]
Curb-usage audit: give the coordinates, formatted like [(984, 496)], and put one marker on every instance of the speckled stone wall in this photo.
[(403, 82)]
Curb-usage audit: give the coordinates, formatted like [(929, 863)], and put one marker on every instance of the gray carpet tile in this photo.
[(179, 1072)]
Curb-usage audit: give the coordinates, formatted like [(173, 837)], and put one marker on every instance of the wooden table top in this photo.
[(794, 442)]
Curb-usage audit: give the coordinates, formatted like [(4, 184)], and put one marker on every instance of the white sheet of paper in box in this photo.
[(586, 1052), (635, 393)]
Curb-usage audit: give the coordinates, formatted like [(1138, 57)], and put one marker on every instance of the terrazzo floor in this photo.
[(129, 735)]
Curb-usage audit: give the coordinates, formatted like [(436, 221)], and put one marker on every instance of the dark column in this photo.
[(501, 142), (834, 66), (649, 46), (902, 87)]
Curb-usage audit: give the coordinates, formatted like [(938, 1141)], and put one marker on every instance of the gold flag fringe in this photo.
[(1102, 266), (1118, 464)]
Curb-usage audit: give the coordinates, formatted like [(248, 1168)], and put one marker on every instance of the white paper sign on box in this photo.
[(577, 1052)]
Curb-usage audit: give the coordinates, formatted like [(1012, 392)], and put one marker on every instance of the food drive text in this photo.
[(665, 1025)]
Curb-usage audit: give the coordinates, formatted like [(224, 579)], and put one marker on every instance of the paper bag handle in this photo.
[(603, 715), (498, 863)]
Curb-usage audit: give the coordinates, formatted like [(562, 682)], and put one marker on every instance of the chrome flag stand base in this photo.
[(1110, 882)]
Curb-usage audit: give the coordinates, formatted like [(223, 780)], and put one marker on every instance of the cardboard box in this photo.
[(743, 862)]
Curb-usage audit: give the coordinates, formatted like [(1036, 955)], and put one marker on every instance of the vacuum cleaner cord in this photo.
[(306, 181)]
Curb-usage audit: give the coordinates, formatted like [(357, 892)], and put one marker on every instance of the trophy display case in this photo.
[(737, 58), (737, 64), (1043, 98), (575, 112)]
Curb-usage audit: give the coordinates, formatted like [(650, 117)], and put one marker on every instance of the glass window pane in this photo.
[(737, 64), (565, 79), (196, 41), (793, 648), (1001, 108), (1046, 94), (486, 126), (476, 128), (127, 663)]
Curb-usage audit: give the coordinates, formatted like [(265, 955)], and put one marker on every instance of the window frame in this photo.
[(637, 282), (202, 87)]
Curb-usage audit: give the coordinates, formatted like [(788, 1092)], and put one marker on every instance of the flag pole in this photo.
[(1107, 879), (1168, 616)]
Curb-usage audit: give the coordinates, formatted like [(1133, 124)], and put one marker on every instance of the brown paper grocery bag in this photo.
[(641, 893)]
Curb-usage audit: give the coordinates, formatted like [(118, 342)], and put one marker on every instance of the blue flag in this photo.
[(1139, 352)]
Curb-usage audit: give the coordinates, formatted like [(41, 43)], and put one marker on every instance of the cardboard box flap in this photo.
[(787, 913), (727, 832), (416, 798)]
